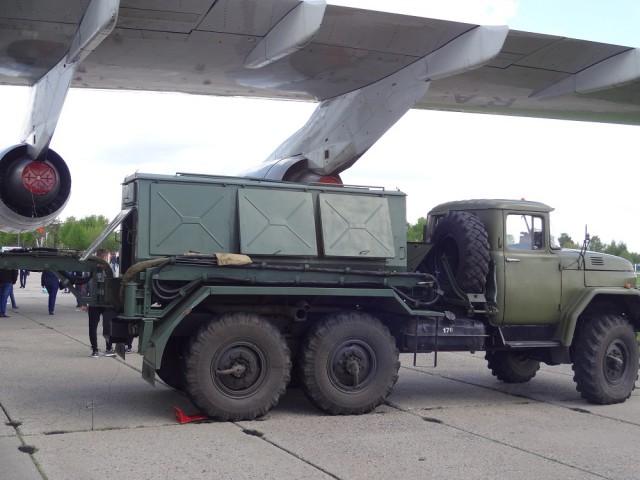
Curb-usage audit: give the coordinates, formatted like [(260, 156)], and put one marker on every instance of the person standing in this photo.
[(14, 306), (23, 278), (106, 313), (52, 284), (78, 286), (7, 278)]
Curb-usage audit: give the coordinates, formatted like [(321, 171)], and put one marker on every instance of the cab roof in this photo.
[(492, 204)]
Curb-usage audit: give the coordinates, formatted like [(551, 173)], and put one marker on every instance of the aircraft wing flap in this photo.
[(157, 20), (529, 63), (385, 32), (245, 17), (569, 55)]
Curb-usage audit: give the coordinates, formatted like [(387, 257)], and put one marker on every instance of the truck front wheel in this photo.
[(237, 367), (605, 362), (511, 367), (349, 363)]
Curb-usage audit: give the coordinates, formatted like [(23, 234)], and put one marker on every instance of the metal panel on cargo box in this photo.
[(189, 218), (356, 226), (274, 222)]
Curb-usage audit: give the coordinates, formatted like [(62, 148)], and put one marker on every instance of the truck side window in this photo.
[(524, 232)]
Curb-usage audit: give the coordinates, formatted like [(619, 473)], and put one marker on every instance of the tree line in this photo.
[(72, 234), (619, 249), (78, 234)]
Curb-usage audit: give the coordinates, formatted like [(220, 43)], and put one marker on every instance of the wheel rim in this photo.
[(615, 362), (352, 366), (520, 359), (239, 369)]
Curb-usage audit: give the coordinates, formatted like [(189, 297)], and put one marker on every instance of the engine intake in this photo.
[(32, 192)]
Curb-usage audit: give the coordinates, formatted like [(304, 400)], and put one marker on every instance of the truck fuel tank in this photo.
[(444, 334)]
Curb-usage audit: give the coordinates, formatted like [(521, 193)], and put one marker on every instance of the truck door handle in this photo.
[(515, 260)]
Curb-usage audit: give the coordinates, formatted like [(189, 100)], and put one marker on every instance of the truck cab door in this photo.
[(532, 276)]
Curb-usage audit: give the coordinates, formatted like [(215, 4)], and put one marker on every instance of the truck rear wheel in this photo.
[(349, 363), (512, 367), (462, 239), (237, 367), (605, 362)]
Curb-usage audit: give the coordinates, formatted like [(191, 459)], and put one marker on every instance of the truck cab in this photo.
[(532, 280)]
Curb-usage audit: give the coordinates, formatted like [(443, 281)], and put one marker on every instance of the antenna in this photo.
[(587, 237), (585, 245)]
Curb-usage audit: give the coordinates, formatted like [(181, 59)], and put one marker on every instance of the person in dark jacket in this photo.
[(106, 313), (52, 284), (7, 279)]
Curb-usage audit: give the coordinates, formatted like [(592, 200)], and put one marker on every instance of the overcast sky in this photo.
[(587, 171)]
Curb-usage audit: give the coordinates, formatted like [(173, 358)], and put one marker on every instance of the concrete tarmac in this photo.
[(69, 416)]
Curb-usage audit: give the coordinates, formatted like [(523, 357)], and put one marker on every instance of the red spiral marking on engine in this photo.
[(39, 178)]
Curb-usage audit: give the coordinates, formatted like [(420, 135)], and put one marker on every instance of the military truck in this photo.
[(236, 287)]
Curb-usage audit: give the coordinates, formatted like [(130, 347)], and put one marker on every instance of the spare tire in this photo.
[(462, 239)]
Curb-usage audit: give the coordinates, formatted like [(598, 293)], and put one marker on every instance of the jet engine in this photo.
[(32, 192)]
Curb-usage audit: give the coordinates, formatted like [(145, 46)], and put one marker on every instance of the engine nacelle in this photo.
[(291, 169), (32, 192)]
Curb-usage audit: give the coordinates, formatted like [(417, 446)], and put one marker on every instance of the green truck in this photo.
[(237, 287)]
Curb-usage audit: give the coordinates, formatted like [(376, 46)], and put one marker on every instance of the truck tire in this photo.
[(236, 367), (170, 371), (349, 363), (605, 361), (512, 367), (462, 238)]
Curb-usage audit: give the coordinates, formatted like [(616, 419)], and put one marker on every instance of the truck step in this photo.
[(533, 344)]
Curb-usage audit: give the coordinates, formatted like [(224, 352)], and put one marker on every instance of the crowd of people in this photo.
[(51, 284)]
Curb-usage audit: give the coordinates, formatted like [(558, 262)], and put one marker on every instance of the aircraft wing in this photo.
[(365, 69), (200, 47)]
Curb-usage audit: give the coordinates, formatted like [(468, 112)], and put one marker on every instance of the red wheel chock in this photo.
[(184, 418)]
